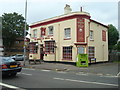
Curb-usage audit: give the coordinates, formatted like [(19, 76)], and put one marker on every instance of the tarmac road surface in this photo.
[(35, 78)]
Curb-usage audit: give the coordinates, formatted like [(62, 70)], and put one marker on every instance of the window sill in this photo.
[(50, 35), (66, 59), (67, 38), (91, 39)]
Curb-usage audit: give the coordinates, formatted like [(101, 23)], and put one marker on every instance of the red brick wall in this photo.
[(80, 30)]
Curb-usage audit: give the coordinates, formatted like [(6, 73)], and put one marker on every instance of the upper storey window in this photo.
[(91, 35), (35, 33), (67, 32), (50, 30)]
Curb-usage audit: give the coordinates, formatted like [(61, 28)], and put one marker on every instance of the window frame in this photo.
[(82, 50), (33, 48), (49, 28), (67, 53), (49, 47), (91, 52), (67, 35), (91, 35), (35, 33)]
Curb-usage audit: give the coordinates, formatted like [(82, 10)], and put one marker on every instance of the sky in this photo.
[(104, 11)]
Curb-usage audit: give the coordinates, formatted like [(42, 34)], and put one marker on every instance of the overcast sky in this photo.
[(104, 11)]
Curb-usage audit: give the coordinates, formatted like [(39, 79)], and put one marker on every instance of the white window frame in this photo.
[(81, 50), (35, 33), (50, 30), (91, 35), (67, 33)]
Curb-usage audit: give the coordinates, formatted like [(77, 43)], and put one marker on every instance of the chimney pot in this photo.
[(81, 9), (67, 9)]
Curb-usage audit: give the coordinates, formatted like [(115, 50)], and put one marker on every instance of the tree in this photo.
[(118, 46), (13, 27), (113, 36)]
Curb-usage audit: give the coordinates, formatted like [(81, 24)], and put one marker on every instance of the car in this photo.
[(9, 66), (18, 57)]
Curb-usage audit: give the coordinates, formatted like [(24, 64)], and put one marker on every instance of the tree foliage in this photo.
[(113, 36), (118, 46), (13, 27)]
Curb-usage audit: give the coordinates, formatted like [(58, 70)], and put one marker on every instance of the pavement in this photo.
[(106, 69)]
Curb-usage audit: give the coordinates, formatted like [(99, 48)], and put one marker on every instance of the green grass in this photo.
[(116, 61)]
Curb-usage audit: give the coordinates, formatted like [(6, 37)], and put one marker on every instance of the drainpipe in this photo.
[(55, 51), (88, 37), (103, 52)]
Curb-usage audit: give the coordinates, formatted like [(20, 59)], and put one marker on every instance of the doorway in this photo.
[(41, 54)]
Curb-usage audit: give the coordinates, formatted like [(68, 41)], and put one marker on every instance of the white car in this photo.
[(18, 57)]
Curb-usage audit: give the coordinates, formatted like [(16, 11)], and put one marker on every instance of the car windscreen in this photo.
[(5, 60), (20, 55)]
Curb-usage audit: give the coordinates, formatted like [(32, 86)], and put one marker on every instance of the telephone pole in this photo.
[(25, 33)]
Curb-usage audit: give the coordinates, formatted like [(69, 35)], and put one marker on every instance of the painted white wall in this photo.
[(101, 47)]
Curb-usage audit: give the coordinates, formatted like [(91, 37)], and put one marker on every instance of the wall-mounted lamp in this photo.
[(55, 46)]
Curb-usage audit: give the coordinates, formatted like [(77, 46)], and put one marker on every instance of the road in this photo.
[(31, 78)]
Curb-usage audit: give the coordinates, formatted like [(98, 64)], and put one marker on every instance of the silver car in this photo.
[(18, 57)]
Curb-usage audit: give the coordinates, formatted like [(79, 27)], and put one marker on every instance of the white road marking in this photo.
[(110, 76), (11, 86), (118, 74), (81, 74), (25, 74), (46, 70), (86, 81), (28, 68), (99, 74)]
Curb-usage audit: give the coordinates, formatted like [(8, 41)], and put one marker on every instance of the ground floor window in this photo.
[(67, 53), (33, 48), (80, 50), (49, 46), (91, 53)]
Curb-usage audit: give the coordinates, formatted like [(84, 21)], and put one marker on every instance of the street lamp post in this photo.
[(25, 33)]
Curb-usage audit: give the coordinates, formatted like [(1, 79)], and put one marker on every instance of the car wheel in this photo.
[(13, 74), (5, 75)]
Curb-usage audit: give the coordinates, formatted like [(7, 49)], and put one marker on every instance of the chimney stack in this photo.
[(67, 9), (81, 9)]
